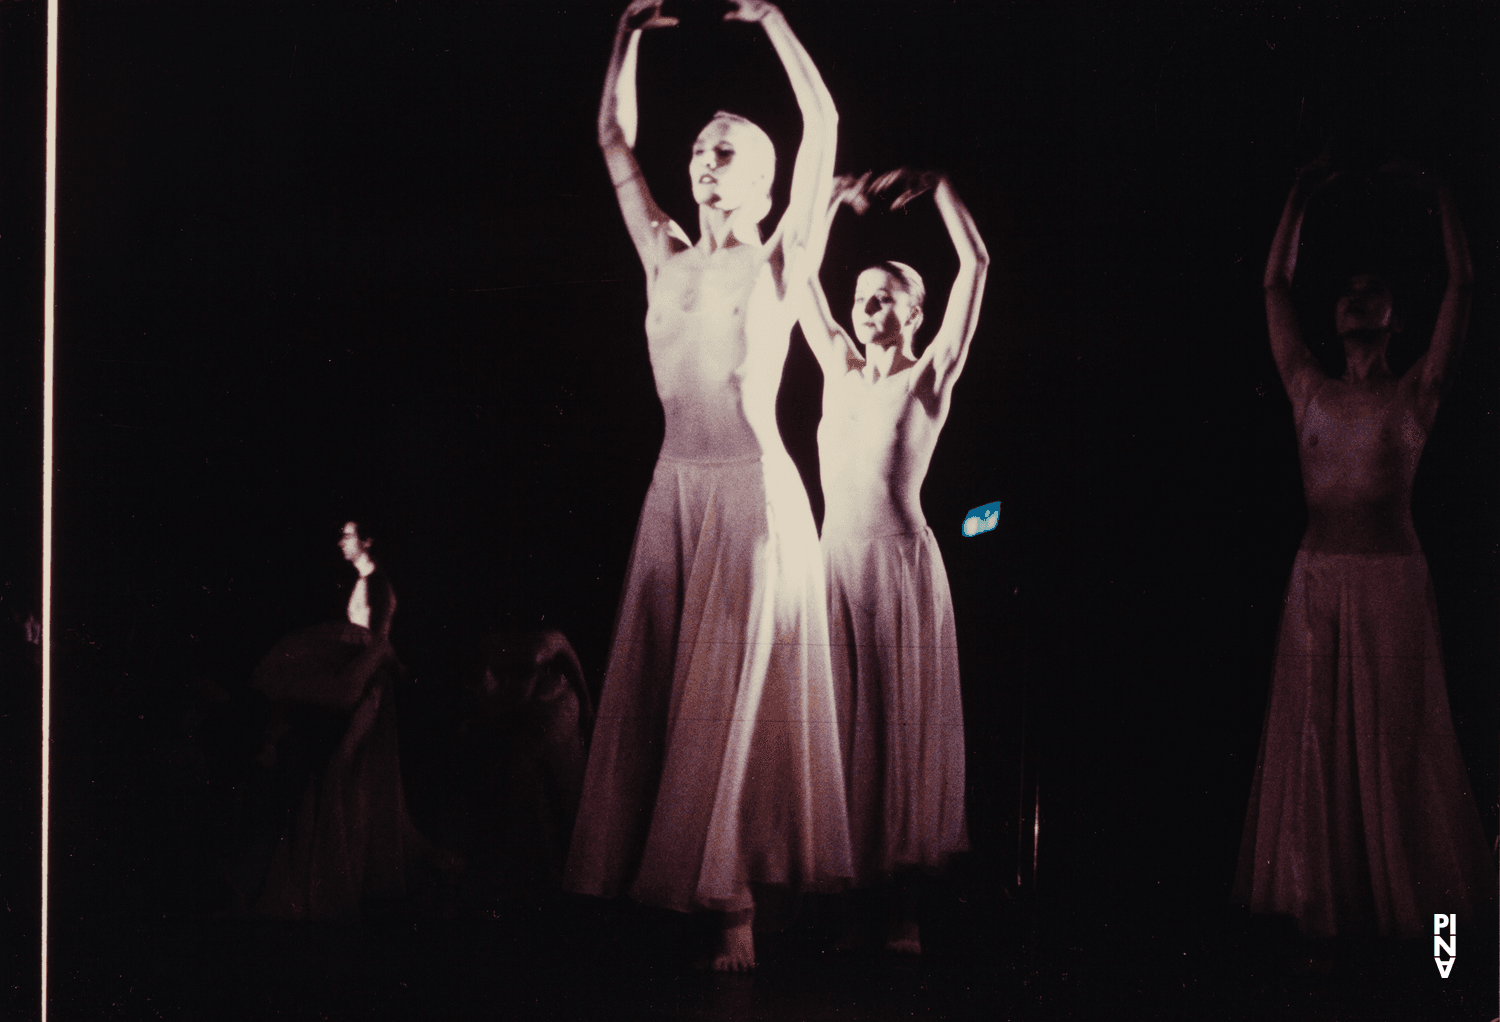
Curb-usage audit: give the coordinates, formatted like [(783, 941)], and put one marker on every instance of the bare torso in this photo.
[(874, 446), (718, 331), (1359, 449)]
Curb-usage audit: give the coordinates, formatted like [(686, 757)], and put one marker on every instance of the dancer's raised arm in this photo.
[(944, 358), (617, 125), (830, 344), (1433, 372), (803, 226), (1300, 372), (832, 347)]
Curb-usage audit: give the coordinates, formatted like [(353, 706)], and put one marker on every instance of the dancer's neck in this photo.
[(1364, 357), (881, 360), (725, 228)]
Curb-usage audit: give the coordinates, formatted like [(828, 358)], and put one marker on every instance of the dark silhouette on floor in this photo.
[(517, 773)]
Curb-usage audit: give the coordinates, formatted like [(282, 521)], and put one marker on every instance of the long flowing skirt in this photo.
[(343, 836), (715, 758), (1361, 816), (895, 663)]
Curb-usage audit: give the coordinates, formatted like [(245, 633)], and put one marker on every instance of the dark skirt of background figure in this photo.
[(519, 761), (337, 804)]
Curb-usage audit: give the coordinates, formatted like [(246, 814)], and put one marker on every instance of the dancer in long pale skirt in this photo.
[(715, 759), (894, 647), (1361, 816)]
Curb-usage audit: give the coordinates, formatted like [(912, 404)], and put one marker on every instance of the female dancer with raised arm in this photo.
[(895, 652), (715, 760), (1361, 818)]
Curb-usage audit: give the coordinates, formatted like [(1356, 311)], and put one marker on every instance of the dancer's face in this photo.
[(882, 307), (725, 169), (350, 545), (1365, 307)]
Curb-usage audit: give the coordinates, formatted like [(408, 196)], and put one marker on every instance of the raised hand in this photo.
[(916, 182), (750, 10), (851, 190), (643, 14)]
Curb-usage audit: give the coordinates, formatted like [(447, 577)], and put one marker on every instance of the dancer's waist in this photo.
[(716, 428), (864, 503), (1359, 528), (855, 520)]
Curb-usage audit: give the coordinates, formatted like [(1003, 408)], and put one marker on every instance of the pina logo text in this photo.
[(1442, 945)]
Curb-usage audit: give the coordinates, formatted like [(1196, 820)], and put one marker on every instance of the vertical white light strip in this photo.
[(1036, 825), (49, 246)]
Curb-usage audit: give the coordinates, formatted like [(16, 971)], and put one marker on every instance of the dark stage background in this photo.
[(320, 261), (23, 83)]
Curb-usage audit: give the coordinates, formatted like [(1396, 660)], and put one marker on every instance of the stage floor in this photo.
[(988, 956)]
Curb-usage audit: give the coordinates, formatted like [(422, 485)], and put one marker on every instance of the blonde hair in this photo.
[(762, 153), (910, 280)]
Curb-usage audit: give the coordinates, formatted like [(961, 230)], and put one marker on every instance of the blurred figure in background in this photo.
[(521, 755), (343, 835)]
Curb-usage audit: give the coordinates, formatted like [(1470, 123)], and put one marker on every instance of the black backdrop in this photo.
[(318, 261)]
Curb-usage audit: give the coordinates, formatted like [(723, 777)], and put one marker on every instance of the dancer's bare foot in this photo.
[(736, 949), (904, 937), (734, 946)]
